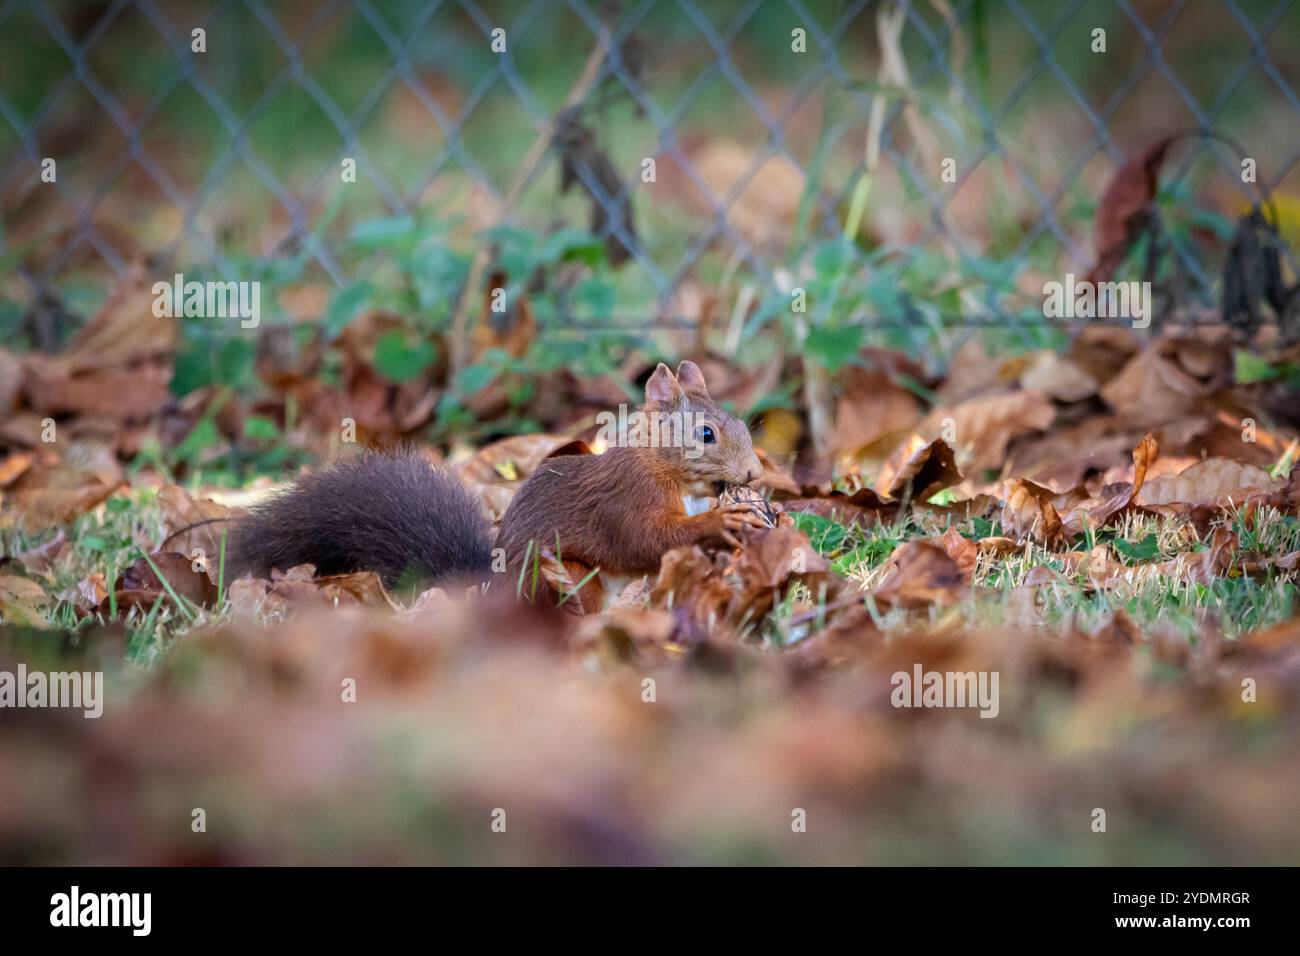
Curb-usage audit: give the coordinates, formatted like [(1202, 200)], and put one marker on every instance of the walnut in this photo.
[(770, 512)]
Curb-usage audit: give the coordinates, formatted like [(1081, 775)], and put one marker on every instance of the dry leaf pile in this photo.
[(1045, 517)]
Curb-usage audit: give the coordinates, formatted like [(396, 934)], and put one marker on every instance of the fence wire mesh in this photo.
[(712, 147)]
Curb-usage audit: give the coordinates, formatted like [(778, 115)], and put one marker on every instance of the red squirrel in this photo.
[(616, 512)]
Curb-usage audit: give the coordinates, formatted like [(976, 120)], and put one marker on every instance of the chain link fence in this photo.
[(709, 147)]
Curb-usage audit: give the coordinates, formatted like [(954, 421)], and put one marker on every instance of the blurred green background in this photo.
[(227, 162)]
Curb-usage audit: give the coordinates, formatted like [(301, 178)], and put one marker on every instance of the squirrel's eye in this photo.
[(707, 436)]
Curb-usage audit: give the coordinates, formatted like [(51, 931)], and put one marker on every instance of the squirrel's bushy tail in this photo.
[(393, 514)]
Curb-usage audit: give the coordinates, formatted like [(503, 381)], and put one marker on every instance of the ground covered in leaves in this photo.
[(1111, 528)]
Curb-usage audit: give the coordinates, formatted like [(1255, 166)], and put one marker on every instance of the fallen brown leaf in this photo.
[(964, 552), (1100, 351), (47, 496), (194, 526), (1216, 482), (14, 466), (1057, 377), (363, 587), (872, 410), (1175, 378), (998, 546), (920, 573), (88, 593), (178, 571), (1121, 499), (515, 458), (864, 506), (926, 467), (688, 580), (1123, 204), (119, 362), (38, 560), (769, 560), (982, 427), (23, 601), (775, 478), (1028, 512)]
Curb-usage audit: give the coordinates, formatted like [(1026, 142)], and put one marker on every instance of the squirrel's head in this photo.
[(705, 441)]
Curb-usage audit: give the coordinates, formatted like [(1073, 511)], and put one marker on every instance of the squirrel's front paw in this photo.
[(736, 516)]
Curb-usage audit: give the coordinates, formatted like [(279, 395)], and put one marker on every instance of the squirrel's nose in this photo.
[(753, 469)]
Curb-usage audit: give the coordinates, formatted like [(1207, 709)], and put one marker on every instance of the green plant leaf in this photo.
[(473, 378), (202, 436), (1252, 368), (1145, 550), (400, 357), (381, 233), (827, 536), (345, 306), (260, 427), (834, 347)]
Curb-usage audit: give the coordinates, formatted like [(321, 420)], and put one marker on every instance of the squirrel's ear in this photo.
[(662, 386), (691, 378)]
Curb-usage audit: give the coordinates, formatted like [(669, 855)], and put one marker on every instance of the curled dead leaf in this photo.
[(872, 410), (88, 593), (1123, 206), (963, 551), (775, 478), (1122, 498), (1042, 575), (246, 596), (627, 634), (1028, 512), (920, 573), (998, 546), (927, 467)]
